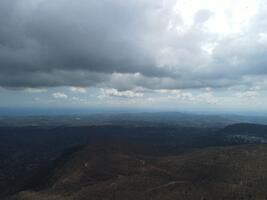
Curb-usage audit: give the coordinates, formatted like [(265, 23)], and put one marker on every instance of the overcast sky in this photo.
[(176, 54)]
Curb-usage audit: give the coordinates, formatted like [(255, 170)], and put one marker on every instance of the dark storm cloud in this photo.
[(116, 43), (39, 38)]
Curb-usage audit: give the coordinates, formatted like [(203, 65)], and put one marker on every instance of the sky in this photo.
[(208, 55)]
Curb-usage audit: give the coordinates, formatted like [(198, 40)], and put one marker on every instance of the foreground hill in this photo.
[(74, 162), (110, 173), (244, 134)]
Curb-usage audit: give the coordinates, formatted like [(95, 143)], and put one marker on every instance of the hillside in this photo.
[(74, 162), (109, 173), (244, 133)]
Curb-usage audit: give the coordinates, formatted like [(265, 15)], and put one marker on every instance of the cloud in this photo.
[(248, 94), (75, 98), (205, 97), (36, 90), (111, 92), (202, 16), (128, 44), (78, 89), (37, 98), (59, 95)]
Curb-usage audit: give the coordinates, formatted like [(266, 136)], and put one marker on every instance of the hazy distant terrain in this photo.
[(137, 159), (130, 119)]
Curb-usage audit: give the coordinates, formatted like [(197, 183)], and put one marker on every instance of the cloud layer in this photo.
[(135, 43)]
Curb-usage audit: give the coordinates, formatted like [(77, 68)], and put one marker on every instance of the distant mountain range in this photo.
[(131, 119)]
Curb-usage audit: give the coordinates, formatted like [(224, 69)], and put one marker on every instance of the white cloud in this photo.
[(187, 96), (207, 97), (248, 94), (111, 92), (262, 38), (60, 95), (78, 89), (75, 98), (37, 99), (36, 90)]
